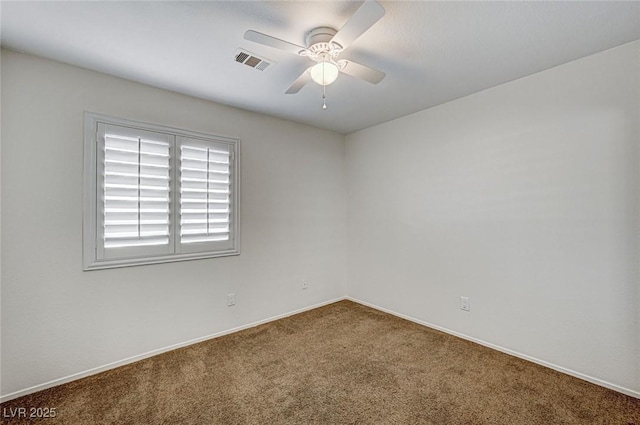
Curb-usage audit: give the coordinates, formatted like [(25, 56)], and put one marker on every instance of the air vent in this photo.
[(249, 59), (241, 57)]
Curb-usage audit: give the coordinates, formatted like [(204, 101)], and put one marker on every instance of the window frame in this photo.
[(92, 246)]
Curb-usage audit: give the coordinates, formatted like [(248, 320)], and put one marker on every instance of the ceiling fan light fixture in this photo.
[(324, 72)]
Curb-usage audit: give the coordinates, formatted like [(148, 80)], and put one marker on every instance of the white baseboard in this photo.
[(152, 353), (564, 370)]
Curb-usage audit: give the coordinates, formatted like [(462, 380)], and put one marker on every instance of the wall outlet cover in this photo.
[(465, 304)]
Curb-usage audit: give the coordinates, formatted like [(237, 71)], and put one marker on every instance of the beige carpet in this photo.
[(339, 364)]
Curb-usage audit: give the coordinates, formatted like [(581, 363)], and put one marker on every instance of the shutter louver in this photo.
[(205, 195), (136, 192)]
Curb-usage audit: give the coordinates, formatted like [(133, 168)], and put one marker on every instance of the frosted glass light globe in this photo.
[(324, 73)]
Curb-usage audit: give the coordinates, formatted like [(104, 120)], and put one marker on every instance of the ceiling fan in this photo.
[(324, 45)]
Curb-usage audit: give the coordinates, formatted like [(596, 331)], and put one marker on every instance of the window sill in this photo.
[(118, 263)]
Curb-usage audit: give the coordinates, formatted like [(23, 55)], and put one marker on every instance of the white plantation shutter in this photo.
[(205, 194), (136, 192), (155, 194)]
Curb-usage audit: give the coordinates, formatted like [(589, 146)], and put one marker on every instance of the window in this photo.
[(156, 194)]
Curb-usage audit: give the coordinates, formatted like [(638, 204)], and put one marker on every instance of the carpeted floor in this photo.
[(339, 364)]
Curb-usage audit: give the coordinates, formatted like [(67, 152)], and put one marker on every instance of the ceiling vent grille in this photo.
[(249, 59)]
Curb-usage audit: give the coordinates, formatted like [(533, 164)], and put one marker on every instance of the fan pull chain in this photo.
[(324, 94)]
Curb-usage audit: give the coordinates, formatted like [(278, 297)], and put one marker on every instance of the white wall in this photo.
[(58, 320), (523, 197)]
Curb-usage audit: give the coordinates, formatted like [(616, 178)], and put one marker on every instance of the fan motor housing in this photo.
[(319, 42)]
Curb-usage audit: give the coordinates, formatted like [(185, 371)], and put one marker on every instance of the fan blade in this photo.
[(362, 72), (267, 40), (368, 14), (299, 83)]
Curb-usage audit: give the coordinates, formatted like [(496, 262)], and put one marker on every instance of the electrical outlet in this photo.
[(231, 300), (465, 304), (305, 284)]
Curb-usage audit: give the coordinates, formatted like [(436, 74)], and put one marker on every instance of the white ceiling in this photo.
[(432, 52)]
